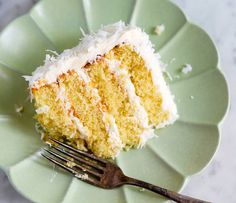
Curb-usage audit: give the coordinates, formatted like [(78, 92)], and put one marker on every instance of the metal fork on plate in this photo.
[(100, 172)]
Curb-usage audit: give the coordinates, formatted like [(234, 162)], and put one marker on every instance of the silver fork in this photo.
[(102, 173)]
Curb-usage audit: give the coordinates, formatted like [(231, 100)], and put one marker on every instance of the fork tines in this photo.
[(99, 172), (83, 165)]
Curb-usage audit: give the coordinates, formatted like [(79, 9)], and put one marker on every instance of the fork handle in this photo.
[(162, 191)]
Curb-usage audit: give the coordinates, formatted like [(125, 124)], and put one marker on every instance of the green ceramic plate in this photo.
[(180, 150)]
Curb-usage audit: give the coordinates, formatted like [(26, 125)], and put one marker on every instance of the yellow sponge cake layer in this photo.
[(90, 111), (141, 77), (115, 98), (54, 117)]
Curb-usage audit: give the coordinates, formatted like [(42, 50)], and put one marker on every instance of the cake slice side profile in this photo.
[(104, 95)]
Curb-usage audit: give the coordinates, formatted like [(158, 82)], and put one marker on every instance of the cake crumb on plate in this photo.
[(142, 190), (159, 29), (71, 164), (19, 109), (187, 69), (82, 176)]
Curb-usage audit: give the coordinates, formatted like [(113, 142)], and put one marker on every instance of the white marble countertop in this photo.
[(217, 183)]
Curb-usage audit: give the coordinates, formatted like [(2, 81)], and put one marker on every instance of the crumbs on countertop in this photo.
[(159, 29)]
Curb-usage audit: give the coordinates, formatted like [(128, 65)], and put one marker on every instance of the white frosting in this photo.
[(91, 45), (140, 112), (42, 109)]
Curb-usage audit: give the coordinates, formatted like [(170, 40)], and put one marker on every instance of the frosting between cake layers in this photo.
[(140, 112), (111, 127), (83, 131)]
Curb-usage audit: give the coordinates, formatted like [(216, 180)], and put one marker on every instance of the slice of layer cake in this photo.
[(106, 94)]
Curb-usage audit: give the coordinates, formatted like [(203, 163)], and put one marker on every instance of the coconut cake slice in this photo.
[(104, 95)]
